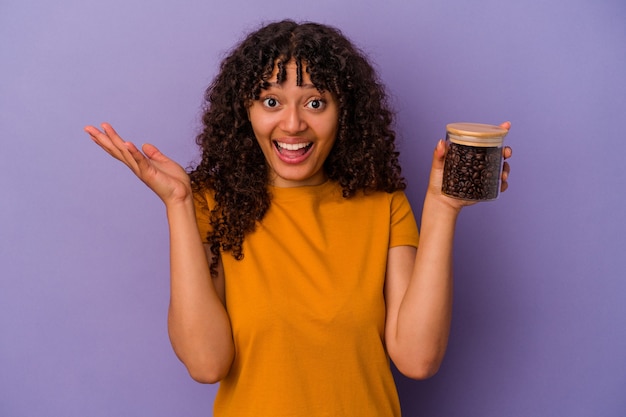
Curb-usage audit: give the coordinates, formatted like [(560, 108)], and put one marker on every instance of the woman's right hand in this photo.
[(165, 177)]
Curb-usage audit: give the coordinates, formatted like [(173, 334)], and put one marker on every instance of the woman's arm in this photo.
[(419, 284), (198, 323), (418, 291)]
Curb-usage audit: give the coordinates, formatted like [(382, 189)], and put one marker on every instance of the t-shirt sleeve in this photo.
[(403, 226), (202, 202)]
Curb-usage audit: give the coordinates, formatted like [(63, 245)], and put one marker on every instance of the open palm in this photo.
[(162, 175)]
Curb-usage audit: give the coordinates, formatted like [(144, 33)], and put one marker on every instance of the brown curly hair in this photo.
[(233, 167)]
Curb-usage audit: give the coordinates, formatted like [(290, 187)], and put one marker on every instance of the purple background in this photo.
[(540, 324)]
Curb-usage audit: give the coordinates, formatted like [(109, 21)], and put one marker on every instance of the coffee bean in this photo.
[(472, 172)]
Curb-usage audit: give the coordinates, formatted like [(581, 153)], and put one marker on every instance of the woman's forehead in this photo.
[(284, 71)]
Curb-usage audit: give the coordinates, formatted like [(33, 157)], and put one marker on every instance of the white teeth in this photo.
[(293, 146)]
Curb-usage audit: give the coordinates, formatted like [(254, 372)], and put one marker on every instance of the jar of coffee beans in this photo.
[(473, 161)]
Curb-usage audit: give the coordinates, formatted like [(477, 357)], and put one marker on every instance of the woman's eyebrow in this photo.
[(279, 85)]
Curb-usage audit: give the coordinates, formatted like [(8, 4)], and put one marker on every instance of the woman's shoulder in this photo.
[(395, 196), (204, 198)]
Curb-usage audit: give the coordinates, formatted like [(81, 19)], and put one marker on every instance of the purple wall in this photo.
[(540, 324)]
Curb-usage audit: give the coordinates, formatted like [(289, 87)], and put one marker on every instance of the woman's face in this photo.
[(296, 127)]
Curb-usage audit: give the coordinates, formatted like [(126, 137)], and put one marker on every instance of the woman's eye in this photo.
[(316, 104), (270, 102)]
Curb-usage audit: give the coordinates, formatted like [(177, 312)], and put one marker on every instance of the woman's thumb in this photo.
[(439, 154)]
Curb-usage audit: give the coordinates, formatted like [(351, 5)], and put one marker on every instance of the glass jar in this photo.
[(473, 162)]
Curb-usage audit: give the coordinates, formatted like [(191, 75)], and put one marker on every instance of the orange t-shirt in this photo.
[(307, 308)]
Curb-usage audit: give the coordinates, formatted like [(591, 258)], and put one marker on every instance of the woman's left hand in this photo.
[(436, 173)]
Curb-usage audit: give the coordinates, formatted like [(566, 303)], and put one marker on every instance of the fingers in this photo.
[(507, 152), (114, 145), (130, 155), (506, 170), (153, 153), (107, 140)]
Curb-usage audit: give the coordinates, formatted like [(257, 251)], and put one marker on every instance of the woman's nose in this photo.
[(292, 121)]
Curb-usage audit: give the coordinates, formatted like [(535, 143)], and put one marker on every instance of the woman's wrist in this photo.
[(178, 206), (443, 205)]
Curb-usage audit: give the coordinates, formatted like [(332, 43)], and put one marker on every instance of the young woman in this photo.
[(295, 268)]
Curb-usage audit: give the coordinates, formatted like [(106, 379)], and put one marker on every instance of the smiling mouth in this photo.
[(293, 149)]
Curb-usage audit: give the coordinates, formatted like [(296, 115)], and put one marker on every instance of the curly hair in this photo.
[(233, 168)]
